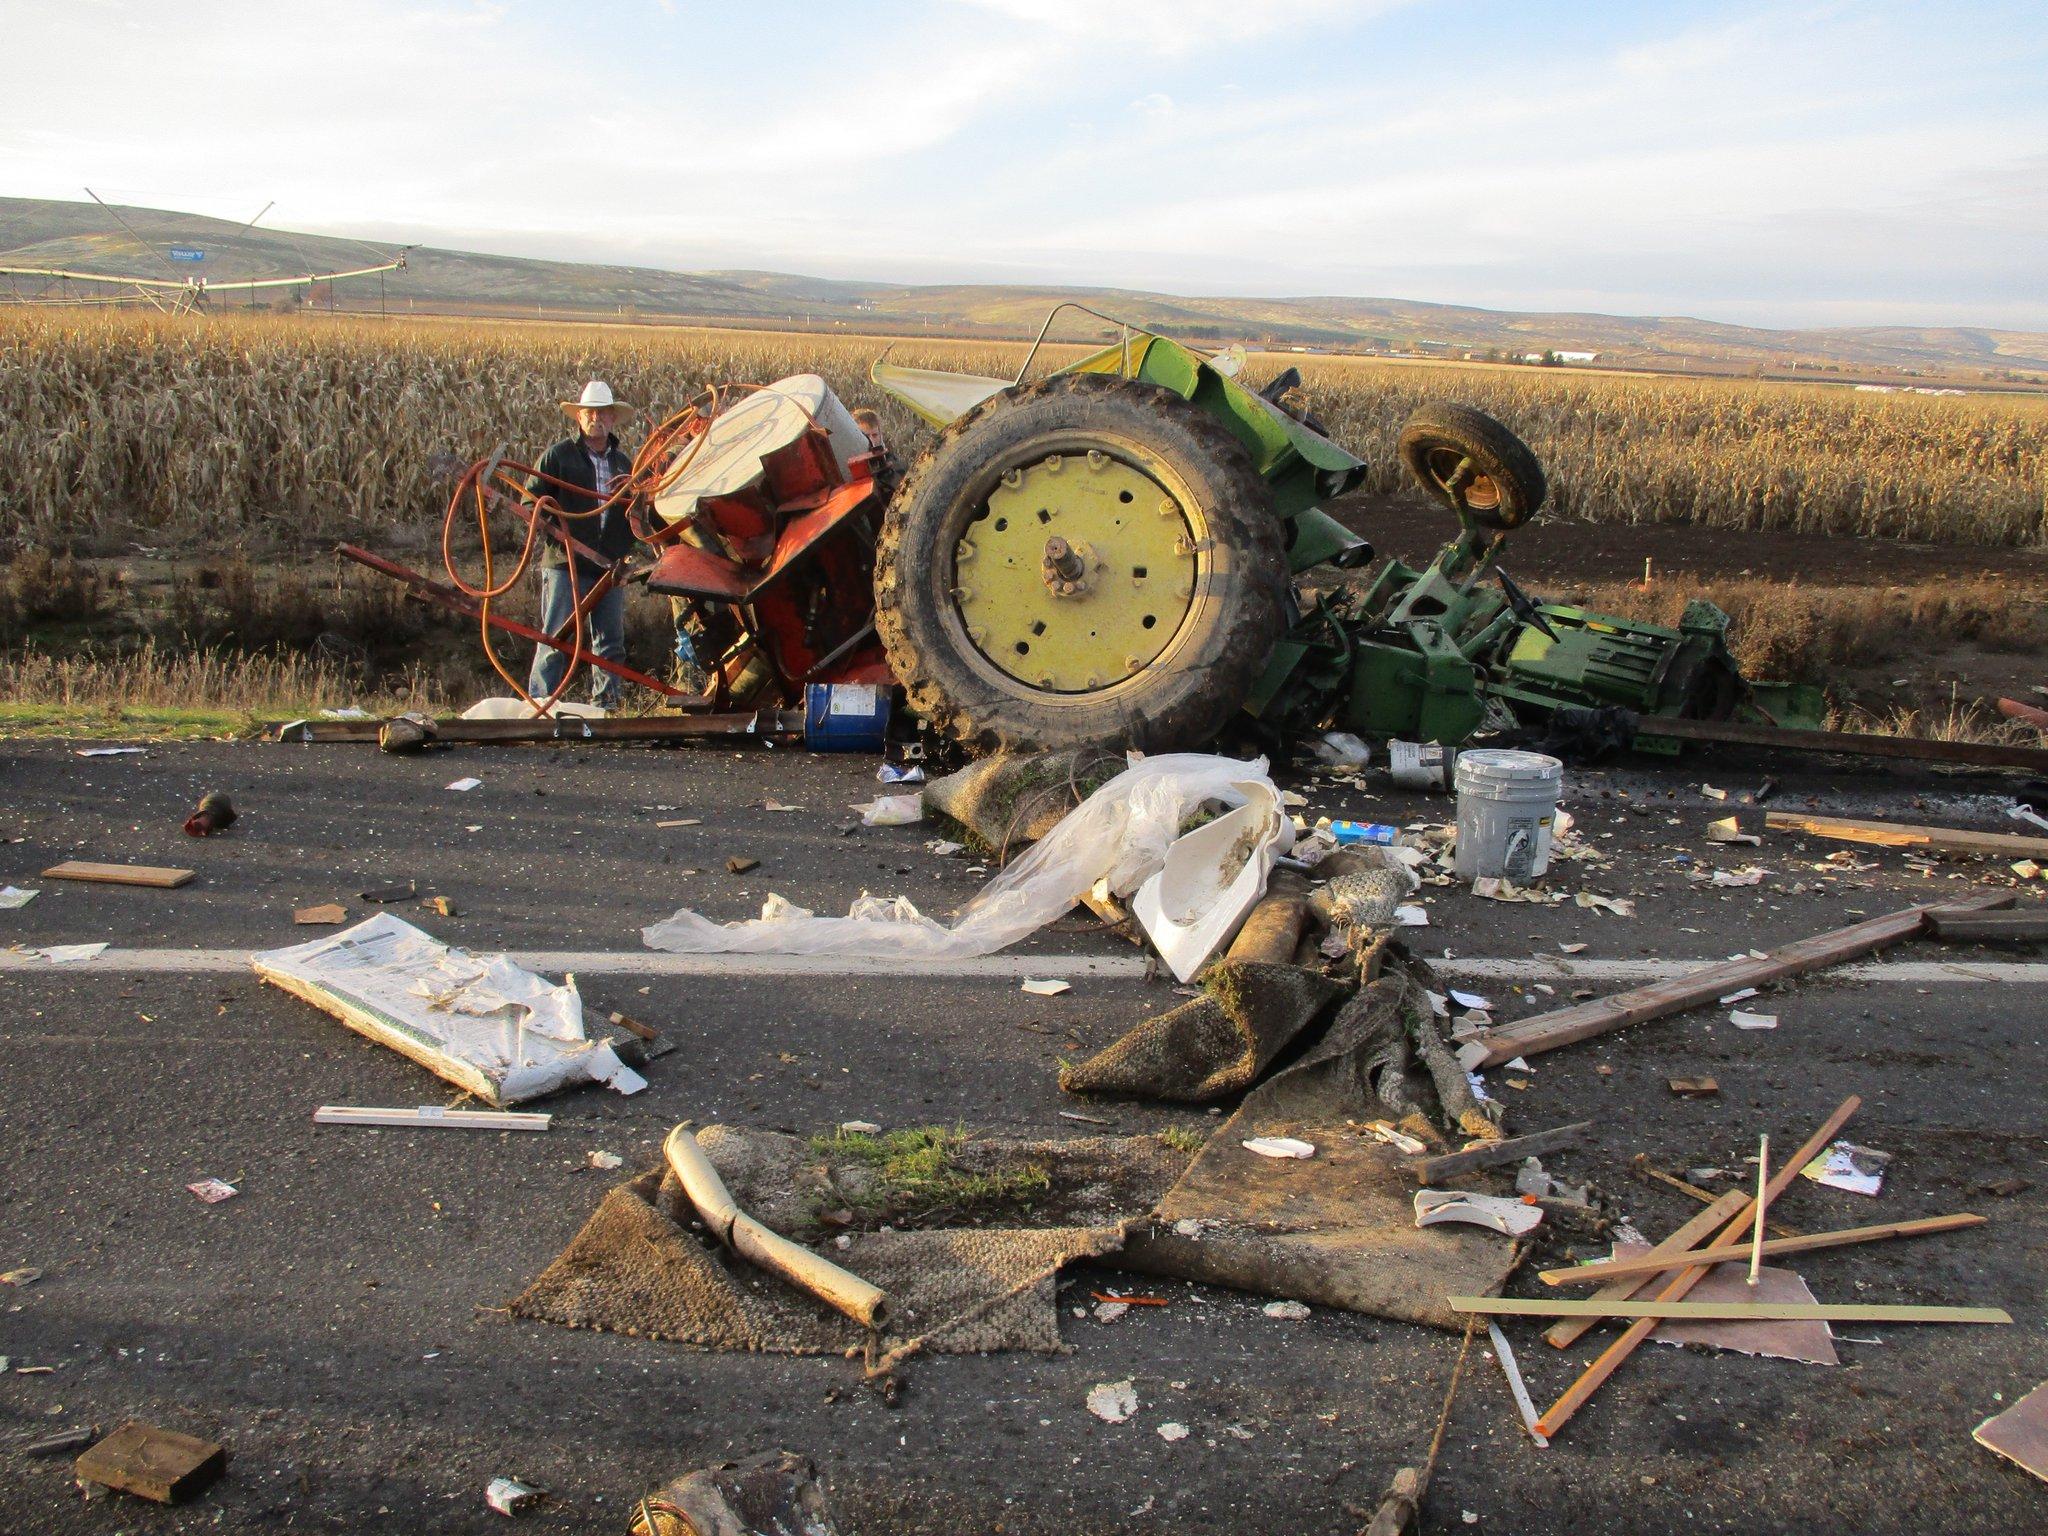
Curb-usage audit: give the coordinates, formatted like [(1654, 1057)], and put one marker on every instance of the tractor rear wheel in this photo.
[(1472, 464), (1081, 560)]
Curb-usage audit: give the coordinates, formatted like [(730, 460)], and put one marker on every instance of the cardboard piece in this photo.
[(2020, 1434)]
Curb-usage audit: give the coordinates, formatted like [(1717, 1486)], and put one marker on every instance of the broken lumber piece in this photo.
[(2020, 1433), (1689, 1236), (838, 1288), (152, 1463), (2025, 927), (1899, 834), (1644, 1169), (1488, 1154), (1568, 1026), (1614, 1269), (1728, 1312), (1576, 1395), (155, 876)]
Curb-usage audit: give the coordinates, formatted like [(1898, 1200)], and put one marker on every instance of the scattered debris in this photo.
[(1113, 1401), (1110, 1311), (891, 811), (682, 821), (1489, 1154), (1400, 1141), (63, 1442), (214, 814), (65, 954), (1693, 1087), (1547, 1031), (2026, 927), (213, 1191), (1743, 1019), (465, 784), (152, 1463), (775, 1494), (859, 1128), (1898, 834), (1657, 1262), (13, 896), (1620, 906), (509, 1496), (109, 751), (1416, 764), (487, 1025), (441, 906), (434, 1116), (1499, 1213), (943, 848), (1279, 1146), (1729, 830), (1517, 1388), (1170, 1432), (2020, 1433), (154, 876), (1844, 1165), (28, 1274), (1287, 1311), (1738, 1309), (1046, 988), (325, 915), (739, 864), (1708, 792), (381, 894), (1340, 749)]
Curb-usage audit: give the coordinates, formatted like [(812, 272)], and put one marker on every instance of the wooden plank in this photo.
[(1641, 1164), (2027, 927), (1652, 1264), (1978, 754), (152, 1463), (1576, 1395), (433, 1116), (1899, 834), (1728, 1312), (156, 876), (630, 728), (1491, 1153), (1567, 1026), (1696, 1231)]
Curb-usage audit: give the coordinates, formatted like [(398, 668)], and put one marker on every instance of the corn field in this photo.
[(117, 427)]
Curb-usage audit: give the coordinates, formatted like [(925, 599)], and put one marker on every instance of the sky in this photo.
[(1779, 164)]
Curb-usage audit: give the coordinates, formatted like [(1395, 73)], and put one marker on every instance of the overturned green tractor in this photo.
[(1109, 554)]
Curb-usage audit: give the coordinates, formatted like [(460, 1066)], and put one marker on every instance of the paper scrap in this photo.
[(465, 784), (1736, 997), (1171, 1432), (213, 1191), (1470, 1000), (12, 896), (682, 821), (109, 751), (891, 810), (1049, 988), (1743, 1019), (1286, 1311), (1572, 949), (1411, 917), (1112, 1401), (1620, 906), (65, 954), (1860, 1170), (1279, 1146)]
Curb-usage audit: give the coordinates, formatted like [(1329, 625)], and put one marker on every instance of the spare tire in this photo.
[(1473, 465), (1081, 561)]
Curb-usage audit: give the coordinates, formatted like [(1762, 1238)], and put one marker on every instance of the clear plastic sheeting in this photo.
[(1119, 834), (485, 1024)]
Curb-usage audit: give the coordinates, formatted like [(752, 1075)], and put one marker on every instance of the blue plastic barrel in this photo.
[(845, 717)]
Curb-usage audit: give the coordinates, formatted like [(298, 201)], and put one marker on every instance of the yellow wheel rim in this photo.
[(1079, 573)]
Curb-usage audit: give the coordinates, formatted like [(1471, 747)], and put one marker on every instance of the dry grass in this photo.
[(241, 427), (152, 692), (1797, 633)]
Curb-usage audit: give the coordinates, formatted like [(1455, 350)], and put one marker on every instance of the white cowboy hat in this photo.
[(598, 394)]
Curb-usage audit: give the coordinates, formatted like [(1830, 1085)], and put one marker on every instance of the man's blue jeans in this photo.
[(607, 637)]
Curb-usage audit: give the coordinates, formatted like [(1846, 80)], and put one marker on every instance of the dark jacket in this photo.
[(610, 535)]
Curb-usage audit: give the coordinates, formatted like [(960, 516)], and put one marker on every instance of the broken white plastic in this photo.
[(484, 1024), (1279, 1146), (1497, 1213), (1119, 834), (1212, 878)]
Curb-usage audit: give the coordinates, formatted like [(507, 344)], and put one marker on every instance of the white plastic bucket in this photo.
[(1507, 809)]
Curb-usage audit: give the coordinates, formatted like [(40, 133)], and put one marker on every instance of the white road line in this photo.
[(633, 962)]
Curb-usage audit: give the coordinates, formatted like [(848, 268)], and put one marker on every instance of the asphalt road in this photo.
[(334, 1324)]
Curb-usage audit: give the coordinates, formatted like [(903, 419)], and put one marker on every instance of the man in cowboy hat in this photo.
[(594, 463)]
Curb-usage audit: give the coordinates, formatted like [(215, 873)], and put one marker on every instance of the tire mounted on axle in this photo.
[(1081, 561)]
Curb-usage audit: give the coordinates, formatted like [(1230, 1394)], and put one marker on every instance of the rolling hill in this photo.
[(83, 237)]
